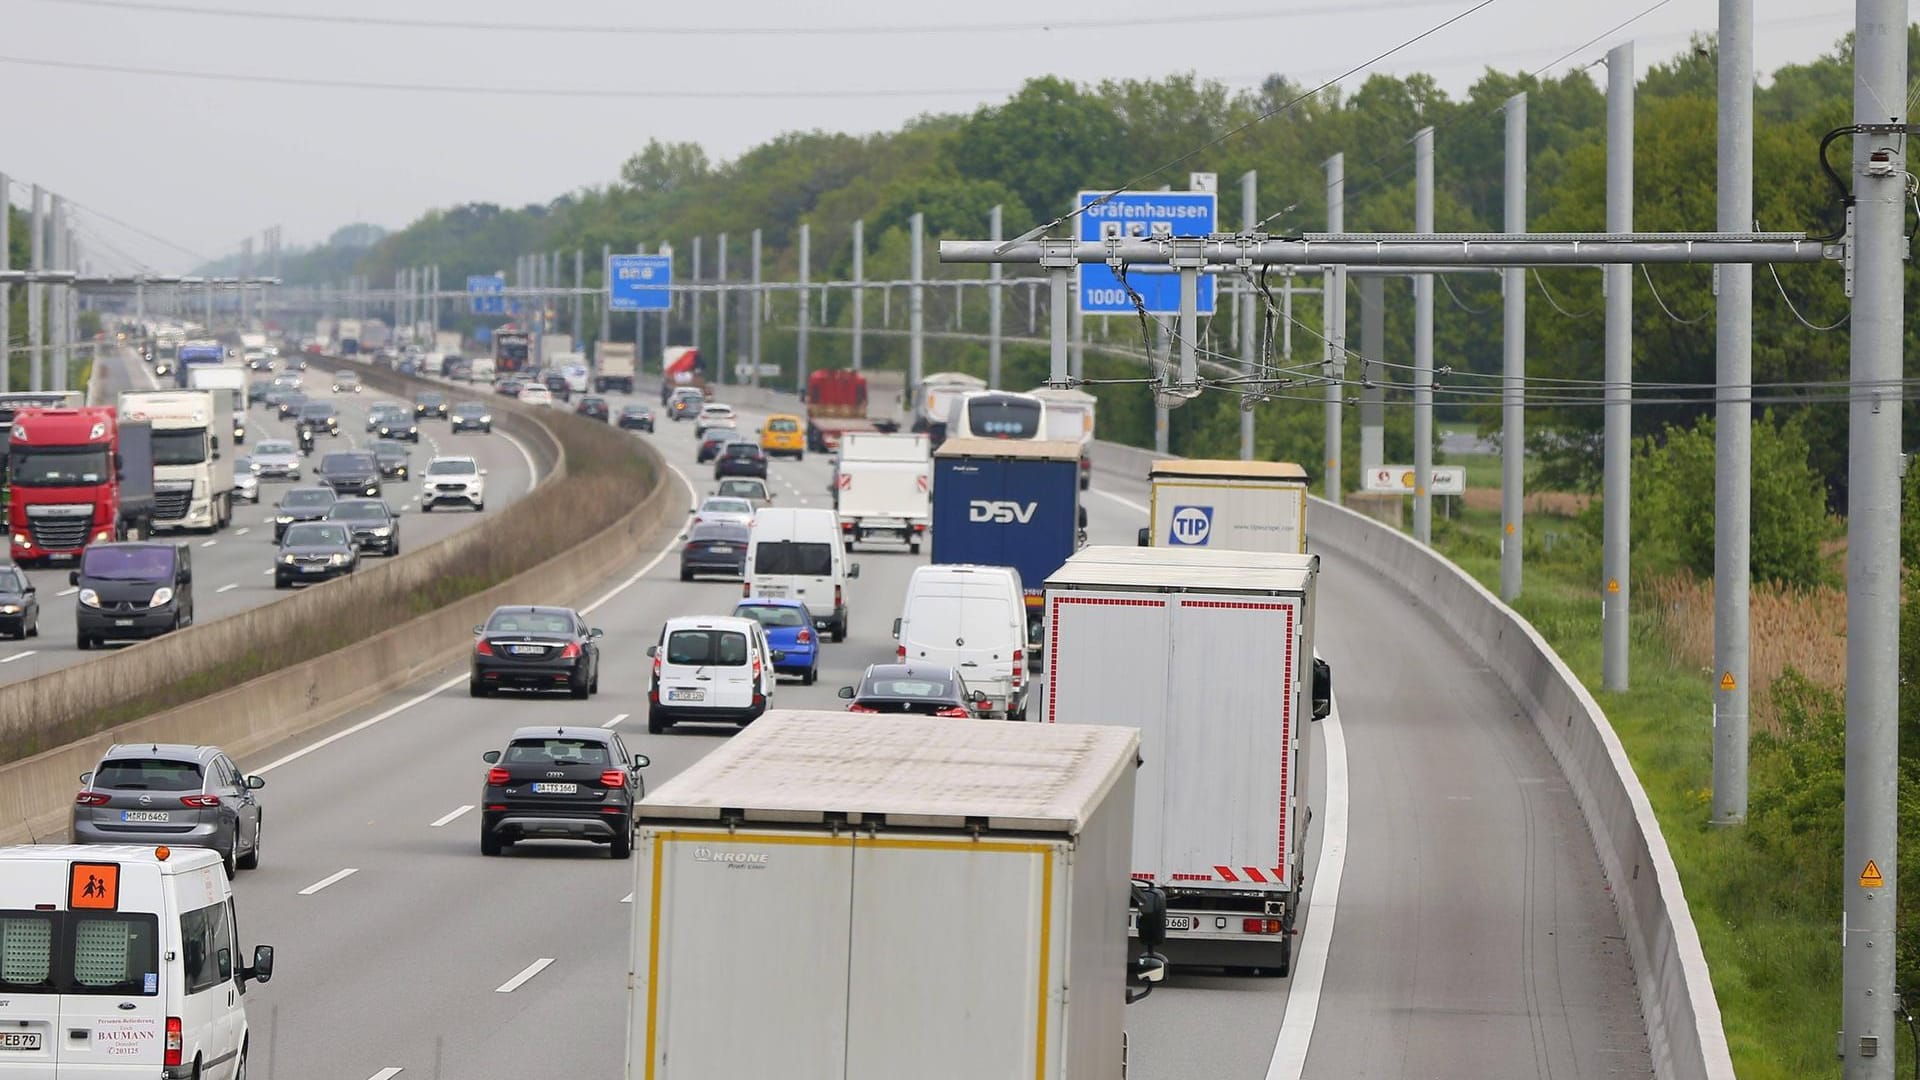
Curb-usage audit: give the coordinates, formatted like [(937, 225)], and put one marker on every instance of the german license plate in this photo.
[(525, 650), (722, 549), (686, 695), (20, 1040), (556, 789), (144, 815), (123, 622), (311, 569), (1179, 922)]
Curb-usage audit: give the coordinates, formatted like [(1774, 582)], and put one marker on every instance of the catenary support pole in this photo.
[(723, 313), (1733, 421), (579, 308), (36, 294), (1373, 344), (695, 300), (1162, 421), (1250, 357), (806, 314), (1513, 412), (57, 299), (1871, 874), (6, 291), (916, 304), (1616, 453), (606, 310), (859, 315), (1077, 326), (666, 324), (1333, 286), (996, 225), (1423, 345), (756, 309)]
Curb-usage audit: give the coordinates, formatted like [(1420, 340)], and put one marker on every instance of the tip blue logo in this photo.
[(1191, 526)]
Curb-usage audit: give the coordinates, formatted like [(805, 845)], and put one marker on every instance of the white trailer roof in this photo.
[(802, 766), (1043, 449), (1226, 469), (1187, 568)]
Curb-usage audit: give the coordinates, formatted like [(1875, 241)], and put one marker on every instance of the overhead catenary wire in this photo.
[(1554, 303), (1791, 306), (1655, 290)]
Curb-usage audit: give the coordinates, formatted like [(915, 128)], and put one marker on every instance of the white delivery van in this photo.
[(974, 620), (1239, 505), (480, 369), (883, 486), (709, 669), (121, 961), (796, 553)]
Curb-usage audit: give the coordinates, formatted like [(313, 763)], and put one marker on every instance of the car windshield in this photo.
[(147, 774), (268, 448), (726, 648), (916, 686), (315, 535), (782, 425), (357, 511), (772, 614), (345, 377), (529, 622), (346, 462), (47, 468), (791, 557), (726, 506), (389, 451), (429, 399), (114, 563), (13, 581), (470, 410), (633, 410), (187, 447), (1004, 418), (385, 410), (445, 468), (308, 497), (556, 751), (316, 408), (743, 489)]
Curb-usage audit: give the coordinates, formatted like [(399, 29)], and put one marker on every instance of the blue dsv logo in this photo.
[(1191, 526)]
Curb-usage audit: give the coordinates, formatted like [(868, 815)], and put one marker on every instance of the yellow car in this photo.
[(784, 434)]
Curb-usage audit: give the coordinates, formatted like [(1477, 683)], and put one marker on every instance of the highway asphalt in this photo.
[(233, 569), (1473, 938)]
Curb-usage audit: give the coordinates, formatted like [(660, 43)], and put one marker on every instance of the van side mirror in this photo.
[(896, 629), (1142, 541), (491, 757), (778, 655), (853, 571), (1322, 689), (641, 761), (653, 650), (215, 440), (595, 633), (262, 969), (846, 694), (478, 630)]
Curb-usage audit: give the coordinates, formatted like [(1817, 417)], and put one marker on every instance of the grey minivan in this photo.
[(169, 793)]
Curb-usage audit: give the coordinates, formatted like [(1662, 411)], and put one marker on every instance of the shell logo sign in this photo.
[(1399, 480)]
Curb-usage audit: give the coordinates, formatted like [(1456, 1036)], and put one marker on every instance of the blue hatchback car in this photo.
[(789, 630)]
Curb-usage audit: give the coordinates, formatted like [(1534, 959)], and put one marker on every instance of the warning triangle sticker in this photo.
[(1870, 877), (1727, 682)]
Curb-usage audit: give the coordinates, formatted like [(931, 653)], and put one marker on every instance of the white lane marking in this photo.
[(1128, 503), (68, 591), (520, 980), (627, 899), (22, 655), (387, 1073), (241, 532), (363, 725), (268, 572), (615, 722), (230, 588), (266, 521), (208, 543), (330, 879), (1310, 965), (443, 821), (533, 471)]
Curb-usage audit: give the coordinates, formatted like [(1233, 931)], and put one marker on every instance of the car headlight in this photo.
[(89, 598), (288, 559), (283, 519), (384, 530), (9, 609), (338, 559), (402, 473), (160, 597), (487, 418), (253, 466)]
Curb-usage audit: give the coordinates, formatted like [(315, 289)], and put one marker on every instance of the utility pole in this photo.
[(860, 293), (606, 310), (916, 327), (57, 297), (1513, 407), (1333, 291), (666, 318), (6, 291), (1373, 345), (1617, 462), (640, 331), (1733, 422), (36, 295), (1869, 1029), (995, 230), (579, 312), (724, 312), (694, 298), (1162, 426), (1423, 345), (1250, 345), (800, 343), (246, 271), (757, 310), (1077, 320)]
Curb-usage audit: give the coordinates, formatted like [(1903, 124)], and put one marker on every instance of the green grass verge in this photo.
[(1773, 950)]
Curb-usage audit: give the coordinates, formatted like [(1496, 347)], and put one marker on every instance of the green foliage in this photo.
[(1673, 520), (663, 168)]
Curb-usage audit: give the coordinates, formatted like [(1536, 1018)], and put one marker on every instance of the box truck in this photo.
[(1239, 505), (1069, 416), (192, 477), (887, 896), (613, 366), (883, 487), (233, 378), (1210, 654), (1008, 502)]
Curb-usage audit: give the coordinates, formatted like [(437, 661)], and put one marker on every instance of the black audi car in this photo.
[(301, 504), (288, 405), (593, 407), (561, 783), (535, 648), (740, 458), (314, 551), (430, 404), (922, 689), (351, 472), (395, 463), (372, 525), (636, 418), (470, 416), (714, 549), (320, 416)]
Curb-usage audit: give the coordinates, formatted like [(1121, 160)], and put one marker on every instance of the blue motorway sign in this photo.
[(639, 282), (486, 293), (1143, 215)]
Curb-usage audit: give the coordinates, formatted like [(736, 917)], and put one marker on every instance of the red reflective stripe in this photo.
[(1226, 873), (1254, 874)]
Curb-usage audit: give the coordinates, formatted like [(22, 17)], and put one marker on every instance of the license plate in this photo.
[(525, 650), (556, 789), (722, 549), (1179, 922), (123, 622), (311, 569), (20, 1040), (144, 815), (686, 695)]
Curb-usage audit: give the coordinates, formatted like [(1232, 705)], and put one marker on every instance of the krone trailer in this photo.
[(835, 896), (1210, 654), (1240, 505)]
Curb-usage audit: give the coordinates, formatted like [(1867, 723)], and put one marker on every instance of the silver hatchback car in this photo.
[(167, 793)]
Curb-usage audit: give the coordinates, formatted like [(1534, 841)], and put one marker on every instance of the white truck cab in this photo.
[(121, 961)]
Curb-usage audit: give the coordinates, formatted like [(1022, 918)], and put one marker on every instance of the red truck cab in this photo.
[(65, 490)]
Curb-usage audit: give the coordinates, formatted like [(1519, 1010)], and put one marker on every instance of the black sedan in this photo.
[(19, 604), (593, 407), (396, 424), (301, 504), (540, 648), (314, 551), (510, 386), (470, 416), (922, 689), (351, 472), (430, 404), (320, 416), (636, 418), (712, 441), (714, 549), (740, 458), (372, 524), (565, 783), (393, 459), (289, 403)]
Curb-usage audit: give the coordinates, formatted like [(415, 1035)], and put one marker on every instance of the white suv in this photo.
[(709, 669), (453, 480)]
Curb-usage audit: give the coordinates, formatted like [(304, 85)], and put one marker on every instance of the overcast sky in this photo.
[(199, 163)]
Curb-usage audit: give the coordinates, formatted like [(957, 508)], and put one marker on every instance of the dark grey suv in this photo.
[(566, 783), (168, 793)]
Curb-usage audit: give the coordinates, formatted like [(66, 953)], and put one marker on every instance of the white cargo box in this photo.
[(1245, 505)]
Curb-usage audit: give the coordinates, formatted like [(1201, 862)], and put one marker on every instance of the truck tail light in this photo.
[(1019, 667), (1260, 926), (497, 776), (90, 798), (613, 778), (200, 802), (174, 1042), (482, 648)]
